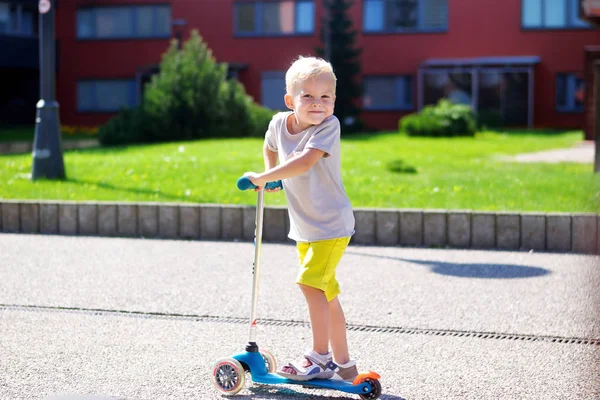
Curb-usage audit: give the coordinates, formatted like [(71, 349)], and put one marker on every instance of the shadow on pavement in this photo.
[(140, 191), (79, 397), (265, 392), (467, 270), (282, 392)]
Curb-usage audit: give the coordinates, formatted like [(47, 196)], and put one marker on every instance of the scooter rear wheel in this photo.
[(373, 394), (228, 376)]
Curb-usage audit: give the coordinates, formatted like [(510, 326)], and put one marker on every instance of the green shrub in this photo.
[(189, 99), (128, 126), (445, 119), (261, 116), (240, 116)]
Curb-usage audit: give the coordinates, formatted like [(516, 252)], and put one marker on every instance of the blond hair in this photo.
[(305, 68)]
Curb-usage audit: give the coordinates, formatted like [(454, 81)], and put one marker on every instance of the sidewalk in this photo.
[(581, 153), (134, 319)]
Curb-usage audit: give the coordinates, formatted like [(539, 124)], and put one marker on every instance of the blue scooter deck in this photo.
[(258, 370)]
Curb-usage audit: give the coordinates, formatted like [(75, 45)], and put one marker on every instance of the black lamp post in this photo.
[(47, 152)]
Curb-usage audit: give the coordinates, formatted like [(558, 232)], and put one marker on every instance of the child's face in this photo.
[(313, 101)]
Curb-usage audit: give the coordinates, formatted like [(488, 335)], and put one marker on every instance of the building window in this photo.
[(502, 96), (551, 14), (273, 18), (124, 22), (392, 16), (105, 95), (388, 93), (15, 20), (569, 93), (456, 86), (272, 86), (498, 95), (5, 18)]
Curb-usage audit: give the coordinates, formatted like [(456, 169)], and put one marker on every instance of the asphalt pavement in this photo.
[(110, 318)]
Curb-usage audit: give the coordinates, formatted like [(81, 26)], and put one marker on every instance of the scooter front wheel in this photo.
[(373, 394), (270, 362), (228, 376)]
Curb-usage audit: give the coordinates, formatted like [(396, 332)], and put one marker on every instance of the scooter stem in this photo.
[(256, 265)]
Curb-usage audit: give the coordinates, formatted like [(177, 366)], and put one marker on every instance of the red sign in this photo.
[(44, 6)]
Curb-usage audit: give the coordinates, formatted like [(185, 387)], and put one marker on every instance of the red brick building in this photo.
[(517, 62), (590, 11)]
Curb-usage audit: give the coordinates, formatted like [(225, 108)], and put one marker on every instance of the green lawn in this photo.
[(385, 170)]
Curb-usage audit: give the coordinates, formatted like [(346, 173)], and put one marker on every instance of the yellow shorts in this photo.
[(318, 262)]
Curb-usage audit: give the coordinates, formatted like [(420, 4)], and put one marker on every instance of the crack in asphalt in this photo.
[(292, 323)]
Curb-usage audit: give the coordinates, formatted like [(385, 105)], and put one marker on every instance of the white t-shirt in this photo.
[(318, 206)]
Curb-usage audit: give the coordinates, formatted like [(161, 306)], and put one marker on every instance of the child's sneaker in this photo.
[(314, 366), (346, 372)]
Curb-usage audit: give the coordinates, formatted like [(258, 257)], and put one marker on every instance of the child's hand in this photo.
[(277, 189), (253, 176), (255, 179), (258, 181)]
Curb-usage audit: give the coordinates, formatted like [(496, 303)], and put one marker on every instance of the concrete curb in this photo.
[(27, 147), (561, 232)]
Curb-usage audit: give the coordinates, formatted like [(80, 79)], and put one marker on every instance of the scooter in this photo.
[(229, 374)]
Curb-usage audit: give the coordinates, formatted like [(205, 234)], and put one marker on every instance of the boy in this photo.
[(307, 142)]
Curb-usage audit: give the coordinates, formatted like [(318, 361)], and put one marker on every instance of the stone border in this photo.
[(560, 232), (27, 147)]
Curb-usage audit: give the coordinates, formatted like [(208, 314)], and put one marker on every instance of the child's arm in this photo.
[(293, 167), (270, 157)]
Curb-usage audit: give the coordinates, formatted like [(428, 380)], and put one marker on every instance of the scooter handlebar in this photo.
[(244, 184)]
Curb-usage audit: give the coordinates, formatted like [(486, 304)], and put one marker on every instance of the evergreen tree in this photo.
[(190, 98), (185, 97), (344, 56)]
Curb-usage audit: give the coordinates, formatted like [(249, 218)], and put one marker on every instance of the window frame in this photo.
[(134, 22), (569, 18), (409, 81), (418, 29), (569, 77), (132, 93), (19, 10), (475, 70), (258, 12), (274, 75)]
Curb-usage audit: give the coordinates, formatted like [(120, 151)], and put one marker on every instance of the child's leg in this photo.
[(318, 310), (318, 262), (346, 370), (337, 332)]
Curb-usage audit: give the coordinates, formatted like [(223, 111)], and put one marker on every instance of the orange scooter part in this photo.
[(362, 377)]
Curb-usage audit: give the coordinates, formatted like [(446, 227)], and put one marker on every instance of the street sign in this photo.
[(44, 6)]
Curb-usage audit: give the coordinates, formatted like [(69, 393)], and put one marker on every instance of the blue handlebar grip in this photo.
[(244, 184), (274, 185)]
